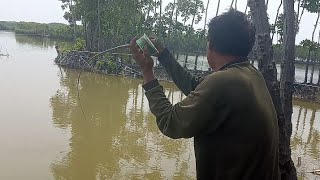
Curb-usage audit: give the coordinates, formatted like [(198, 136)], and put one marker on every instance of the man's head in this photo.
[(230, 36)]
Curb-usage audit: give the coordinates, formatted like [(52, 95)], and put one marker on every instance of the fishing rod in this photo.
[(143, 42), (79, 76)]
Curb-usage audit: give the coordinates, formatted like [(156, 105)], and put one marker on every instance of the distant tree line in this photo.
[(53, 30)]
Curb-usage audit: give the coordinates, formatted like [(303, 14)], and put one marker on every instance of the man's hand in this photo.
[(157, 43), (144, 60)]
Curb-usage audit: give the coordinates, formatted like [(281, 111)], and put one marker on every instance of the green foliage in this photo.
[(101, 65), (110, 66), (80, 44), (7, 25), (312, 6), (54, 30), (309, 44), (68, 46), (65, 47), (301, 51)]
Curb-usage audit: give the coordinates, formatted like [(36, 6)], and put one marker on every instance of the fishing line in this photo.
[(92, 68)]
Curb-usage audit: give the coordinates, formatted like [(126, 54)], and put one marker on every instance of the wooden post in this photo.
[(186, 61), (319, 77), (314, 60), (308, 60), (115, 56), (196, 61), (130, 59)]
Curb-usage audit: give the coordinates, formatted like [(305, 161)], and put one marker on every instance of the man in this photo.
[(229, 113)]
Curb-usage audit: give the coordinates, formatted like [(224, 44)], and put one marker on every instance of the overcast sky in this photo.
[(46, 11)]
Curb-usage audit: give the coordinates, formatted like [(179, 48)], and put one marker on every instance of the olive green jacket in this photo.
[(229, 113)]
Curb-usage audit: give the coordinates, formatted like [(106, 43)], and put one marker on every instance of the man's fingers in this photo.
[(153, 40), (133, 45), (146, 52), (134, 41)]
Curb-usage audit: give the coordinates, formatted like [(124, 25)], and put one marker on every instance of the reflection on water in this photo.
[(306, 137), (119, 138), (34, 41)]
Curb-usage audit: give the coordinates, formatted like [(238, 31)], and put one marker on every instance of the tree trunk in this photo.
[(206, 16), (298, 12), (245, 11), (288, 68), (73, 21), (318, 77), (85, 33), (314, 60), (192, 22), (149, 9), (313, 66), (264, 52), (196, 61), (160, 17), (176, 19), (312, 39), (217, 12), (236, 5), (275, 21), (231, 6), (303, 8), (307, 66), (171, 20), (174, 7), (186, 61), (99, 25), (92, 35), (160, 9)]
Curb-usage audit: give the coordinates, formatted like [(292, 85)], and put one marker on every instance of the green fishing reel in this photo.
[(145, 42)]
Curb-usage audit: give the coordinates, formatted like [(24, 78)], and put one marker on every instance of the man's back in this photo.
[(230, 113), (242, 141)]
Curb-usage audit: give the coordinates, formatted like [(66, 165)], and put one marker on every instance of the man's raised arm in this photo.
[(180, 76)]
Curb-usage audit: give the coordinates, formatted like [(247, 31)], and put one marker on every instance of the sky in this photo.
[(47, 11)]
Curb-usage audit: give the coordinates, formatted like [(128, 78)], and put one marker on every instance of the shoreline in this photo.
[(124, 66)]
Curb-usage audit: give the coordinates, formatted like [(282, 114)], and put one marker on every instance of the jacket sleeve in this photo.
[(180, 76), (187, 118)]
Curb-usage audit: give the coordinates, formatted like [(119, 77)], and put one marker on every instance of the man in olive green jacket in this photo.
[(229, 113)]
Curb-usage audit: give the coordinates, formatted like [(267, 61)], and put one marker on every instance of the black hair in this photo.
[(231, 33)]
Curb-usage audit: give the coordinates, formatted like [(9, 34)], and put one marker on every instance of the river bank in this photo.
[(122, 64), (52, 30)]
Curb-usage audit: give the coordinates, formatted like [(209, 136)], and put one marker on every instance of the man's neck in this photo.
[(225, 62)]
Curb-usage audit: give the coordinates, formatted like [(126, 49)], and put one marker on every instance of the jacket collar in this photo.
[(241, 60)]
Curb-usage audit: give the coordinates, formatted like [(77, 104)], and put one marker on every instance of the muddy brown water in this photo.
[(44, 135)]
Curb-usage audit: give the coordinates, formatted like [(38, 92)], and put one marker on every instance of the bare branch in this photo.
[(277, 16), (303, 8), (218, 8), (231, 6)]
